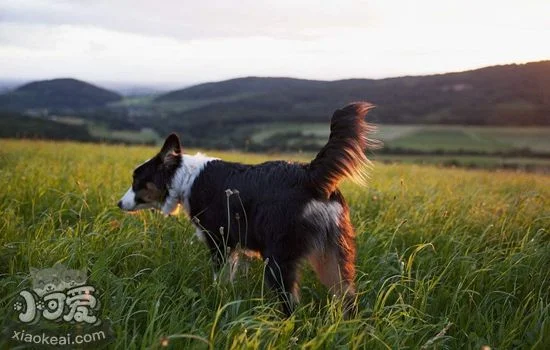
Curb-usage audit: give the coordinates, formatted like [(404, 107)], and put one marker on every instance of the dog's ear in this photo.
[(171, 148)]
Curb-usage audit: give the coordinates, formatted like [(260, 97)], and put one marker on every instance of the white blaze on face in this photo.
[(128, 201)]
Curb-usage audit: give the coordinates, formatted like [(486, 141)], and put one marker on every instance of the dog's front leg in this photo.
[(225, 266), (233, 264), (218, 262)]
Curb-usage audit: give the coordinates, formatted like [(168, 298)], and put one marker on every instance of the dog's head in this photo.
[(151, 180)]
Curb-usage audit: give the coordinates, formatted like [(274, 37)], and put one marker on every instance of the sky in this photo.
[(186, 42)]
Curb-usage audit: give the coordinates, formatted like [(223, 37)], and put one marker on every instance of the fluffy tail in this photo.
[(344, 154)]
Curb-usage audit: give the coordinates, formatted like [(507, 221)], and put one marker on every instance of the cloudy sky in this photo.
[(180, 41)]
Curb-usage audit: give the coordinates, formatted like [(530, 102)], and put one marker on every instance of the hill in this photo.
[(250, 86), (499, 95), (13, 125), (286, 114), (57, 94)]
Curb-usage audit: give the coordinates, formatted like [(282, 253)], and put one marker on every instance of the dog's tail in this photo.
[(344, 154)]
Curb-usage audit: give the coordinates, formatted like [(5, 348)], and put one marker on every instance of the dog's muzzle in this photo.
[(128, 201)]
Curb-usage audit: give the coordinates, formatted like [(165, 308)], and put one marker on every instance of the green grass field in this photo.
[(132, 136), (433, 141), (490, 147), (469, 138), (431, 137), (447, 258)]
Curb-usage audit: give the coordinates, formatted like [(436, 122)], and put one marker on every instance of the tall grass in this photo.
[(447, 258)]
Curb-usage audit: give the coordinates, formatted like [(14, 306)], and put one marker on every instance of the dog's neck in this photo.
[(179, 190)]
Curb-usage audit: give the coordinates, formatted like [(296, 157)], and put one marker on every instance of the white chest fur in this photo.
[(179, 190)]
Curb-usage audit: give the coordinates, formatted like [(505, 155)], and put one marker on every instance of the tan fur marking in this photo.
[(149, 194), (326, 266)]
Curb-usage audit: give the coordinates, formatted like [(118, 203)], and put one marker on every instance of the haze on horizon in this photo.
[(185, 42)]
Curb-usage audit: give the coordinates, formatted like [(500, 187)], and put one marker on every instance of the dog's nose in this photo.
[(119, 204)]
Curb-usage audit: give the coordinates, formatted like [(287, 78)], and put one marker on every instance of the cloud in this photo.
[(193, 20), (188, 42)]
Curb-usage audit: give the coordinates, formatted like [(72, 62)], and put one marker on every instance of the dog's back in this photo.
[(258, 205)]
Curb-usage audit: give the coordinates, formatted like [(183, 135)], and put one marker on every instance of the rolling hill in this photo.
[(499, 95), (263, 113), (13, 125), (63, 93)]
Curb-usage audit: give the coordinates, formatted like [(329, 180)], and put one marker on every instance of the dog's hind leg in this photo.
[(335, 268), (282, 276)]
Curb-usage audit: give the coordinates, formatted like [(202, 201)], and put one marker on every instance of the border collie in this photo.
[(282, 211)]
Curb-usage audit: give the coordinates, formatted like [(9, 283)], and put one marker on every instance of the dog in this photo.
[(284, 212)]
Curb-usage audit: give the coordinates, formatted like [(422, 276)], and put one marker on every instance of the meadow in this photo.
[(420, 137), (490, 147), (447, 258)]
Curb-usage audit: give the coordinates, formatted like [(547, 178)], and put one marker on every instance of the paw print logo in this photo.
[(18, 306), (40, 305)]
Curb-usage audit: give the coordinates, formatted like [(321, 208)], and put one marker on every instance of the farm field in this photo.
[(131, 136), (469, 138), (447, 258), (432, 137), (412, 137), (523, 148), (431, 142), (494, 163)]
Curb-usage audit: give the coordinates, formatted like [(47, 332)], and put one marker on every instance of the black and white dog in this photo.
[(285, 212)]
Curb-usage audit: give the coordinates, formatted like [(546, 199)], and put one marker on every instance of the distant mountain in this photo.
[(499, 95), (132, 89), (228, 114), (245, 87), (57, 94)]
